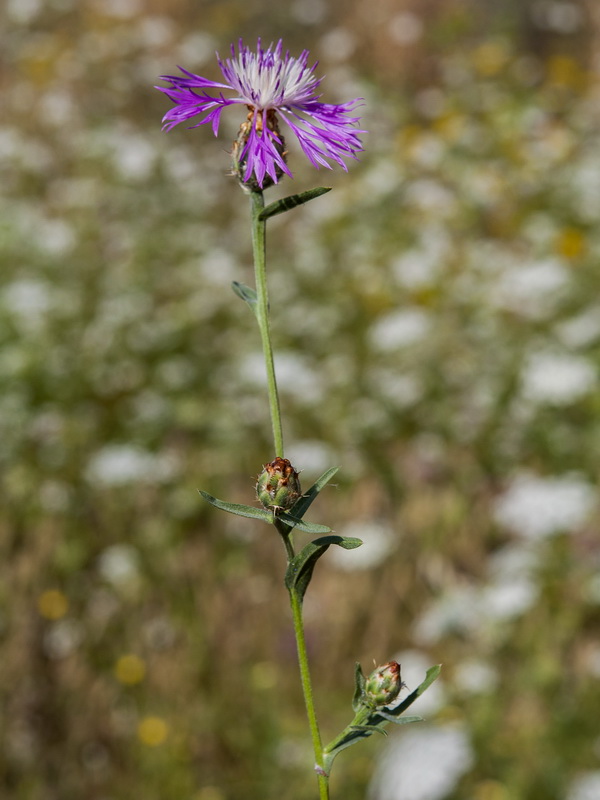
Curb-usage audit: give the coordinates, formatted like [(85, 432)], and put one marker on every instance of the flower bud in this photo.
[(278, 486), (383, 685)]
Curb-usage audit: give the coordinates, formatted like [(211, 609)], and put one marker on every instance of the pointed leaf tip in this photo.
[(247, 294), (301, 506)]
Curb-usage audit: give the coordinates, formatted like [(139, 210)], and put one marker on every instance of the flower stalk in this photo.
[(262, 314), (298, 621)]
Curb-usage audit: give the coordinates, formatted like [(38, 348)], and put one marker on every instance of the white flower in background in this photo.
[(593, 589), (413, 666), (118, 465), (294, 374), (119, 564), (415, 269), (381, 178), (399, 329), (339, 44), (592, 662), (536, 507), (516, 560), (581, 330), (475, 677), (557, 379), (427, 150), (469, 608), (27, 298), (511, 589), (531, 289), (458, 610), (430, 196), (423, 264), (133, 156), (405, 28), (586, 786), (422, 764), (378, 542), (510, 599), (55, 236), (310, 455), (398, 389), (62, 638)]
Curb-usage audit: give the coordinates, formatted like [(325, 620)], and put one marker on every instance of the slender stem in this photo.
[(308, 695), (262, 315), (262, 306)]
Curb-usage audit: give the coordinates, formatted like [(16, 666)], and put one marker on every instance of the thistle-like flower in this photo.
[(273, 86)]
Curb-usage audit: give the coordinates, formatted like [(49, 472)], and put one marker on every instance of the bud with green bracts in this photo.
[(278, 485), (383, 685)]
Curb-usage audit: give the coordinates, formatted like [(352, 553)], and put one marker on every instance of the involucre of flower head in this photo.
[(273, 86), (278, 485), (383, 685)]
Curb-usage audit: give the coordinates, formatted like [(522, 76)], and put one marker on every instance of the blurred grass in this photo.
[(145, 641)]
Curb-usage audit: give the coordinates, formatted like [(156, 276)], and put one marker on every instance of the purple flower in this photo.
[(273, 86)]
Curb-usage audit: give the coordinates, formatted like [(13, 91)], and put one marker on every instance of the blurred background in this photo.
[(437, 324)]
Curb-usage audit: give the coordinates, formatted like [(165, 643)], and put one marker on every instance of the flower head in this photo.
[(383, 685), (273, 86), (278, 485)]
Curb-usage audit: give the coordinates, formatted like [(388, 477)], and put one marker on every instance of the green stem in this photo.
[(360, 719), (322, 777), (296, 605), (262, 315)]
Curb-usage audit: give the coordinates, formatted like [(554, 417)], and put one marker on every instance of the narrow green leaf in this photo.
[(300, 569), (359, 680), (346, 542), (370, 729), (430, 676), (302, 505), (247, 294), (293, 200), (240, 510), (400, 720), (302, 525)]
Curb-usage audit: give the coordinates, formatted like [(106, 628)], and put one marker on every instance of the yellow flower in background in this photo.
[(130, 669), (565, 71), (263, 675), (490, 58), (209, 793), (53, 604), (491, 790), (153, 731), (570, 243)]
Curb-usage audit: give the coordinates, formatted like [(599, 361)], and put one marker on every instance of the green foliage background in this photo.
[(146, 647)]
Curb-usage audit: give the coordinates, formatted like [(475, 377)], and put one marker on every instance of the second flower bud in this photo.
[(383, 685), (278, 485)]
